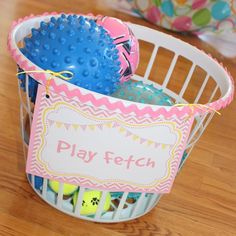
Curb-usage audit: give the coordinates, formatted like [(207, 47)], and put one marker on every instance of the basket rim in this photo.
[(127, 107)]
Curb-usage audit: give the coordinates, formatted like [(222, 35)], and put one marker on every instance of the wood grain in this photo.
[(203, 199)]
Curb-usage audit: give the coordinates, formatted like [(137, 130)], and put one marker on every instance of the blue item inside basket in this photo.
[(32, 85), (142, 93), (77, 44), (38, 181), (185, 155), (130, 195)]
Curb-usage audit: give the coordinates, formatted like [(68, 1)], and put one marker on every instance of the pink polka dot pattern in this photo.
[(182, 23), (201, 16), (198, 4), (154, 14)]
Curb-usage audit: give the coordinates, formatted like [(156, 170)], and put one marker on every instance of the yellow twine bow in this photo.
[(60, 74), (200, 106)]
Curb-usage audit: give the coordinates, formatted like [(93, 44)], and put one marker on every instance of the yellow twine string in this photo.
[(60, 74), (200, 106)]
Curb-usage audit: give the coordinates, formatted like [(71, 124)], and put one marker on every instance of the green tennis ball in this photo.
[(90, 202), (68, 189)]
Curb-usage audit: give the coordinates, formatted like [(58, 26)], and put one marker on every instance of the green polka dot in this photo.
[(202, 17), (157, 2)]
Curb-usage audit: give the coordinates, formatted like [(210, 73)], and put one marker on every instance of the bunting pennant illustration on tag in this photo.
[(77, 143)]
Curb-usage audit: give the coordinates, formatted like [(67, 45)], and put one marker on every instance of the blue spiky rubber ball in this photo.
[(137, 91), (77, 44)]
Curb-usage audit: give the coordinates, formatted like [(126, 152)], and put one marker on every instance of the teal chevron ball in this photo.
[(142, 93)]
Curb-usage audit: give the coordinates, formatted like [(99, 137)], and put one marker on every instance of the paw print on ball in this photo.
[(79, 45), (94, 201)]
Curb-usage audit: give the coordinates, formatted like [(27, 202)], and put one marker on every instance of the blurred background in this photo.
[(202, 201)]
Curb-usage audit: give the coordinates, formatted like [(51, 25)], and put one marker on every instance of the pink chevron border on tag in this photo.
[(34, 166)]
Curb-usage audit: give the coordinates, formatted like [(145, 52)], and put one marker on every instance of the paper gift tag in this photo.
[(91, 146)]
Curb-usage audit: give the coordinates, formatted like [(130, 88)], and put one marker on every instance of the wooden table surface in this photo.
[(202, 202)]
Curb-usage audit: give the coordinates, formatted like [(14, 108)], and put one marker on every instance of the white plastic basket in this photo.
[(214, 72)]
